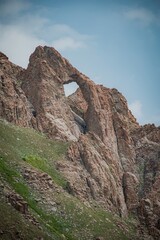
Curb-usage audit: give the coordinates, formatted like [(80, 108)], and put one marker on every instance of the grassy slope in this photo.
[(20, 147)]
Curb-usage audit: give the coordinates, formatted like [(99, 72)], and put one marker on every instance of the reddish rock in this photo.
[(43, 86), (92, 174), (17, 202), (115, 163), (3, 56), (130, 186), (147, 148), (77, 103), (14, 106)]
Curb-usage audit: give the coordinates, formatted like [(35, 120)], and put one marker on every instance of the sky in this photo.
[(115, 43)]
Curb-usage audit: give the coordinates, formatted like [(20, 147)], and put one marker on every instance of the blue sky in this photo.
[(116, 43)]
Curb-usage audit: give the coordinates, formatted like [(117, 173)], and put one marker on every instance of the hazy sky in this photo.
[(116, 43)]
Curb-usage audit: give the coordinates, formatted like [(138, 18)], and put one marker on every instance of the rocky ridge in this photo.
[(14, 106), (112, 160)]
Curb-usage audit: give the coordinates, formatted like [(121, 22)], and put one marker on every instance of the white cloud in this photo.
[(143, 15), (155, 119), (19, 38), (10, 7), (22, 31), (136, 109), (67, 37), (66, 30), (67, 43), (18, 44)]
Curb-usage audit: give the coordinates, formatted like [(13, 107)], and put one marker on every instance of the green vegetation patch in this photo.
[(14, 226), (23, 143), (44, 165), (16, 181), (84, 222), (72, 220)]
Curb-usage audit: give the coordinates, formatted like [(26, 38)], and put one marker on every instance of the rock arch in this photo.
[(95, 116)]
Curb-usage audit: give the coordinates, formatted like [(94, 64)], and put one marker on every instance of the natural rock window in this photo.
[(70, 90)]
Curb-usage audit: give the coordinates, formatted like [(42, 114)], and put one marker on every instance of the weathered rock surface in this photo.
[(77, 103), (147, 147), (42, 180), (112, 160), (14, 106), (42, 83), (17, 202), (93, 175), (108, 118)]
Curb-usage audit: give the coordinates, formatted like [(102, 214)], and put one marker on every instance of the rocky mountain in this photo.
[(111, 160)]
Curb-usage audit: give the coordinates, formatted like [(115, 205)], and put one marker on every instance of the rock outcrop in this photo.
[(93, 175), (17, 202), (147, 147), (14, 106), (112, 161), (77, 103), (42, 83)]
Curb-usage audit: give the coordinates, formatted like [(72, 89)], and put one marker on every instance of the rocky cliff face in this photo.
[(147, 146), (42, 83), (112, 161), (14, 106)]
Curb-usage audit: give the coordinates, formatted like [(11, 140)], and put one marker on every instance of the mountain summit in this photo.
[(111, 160)]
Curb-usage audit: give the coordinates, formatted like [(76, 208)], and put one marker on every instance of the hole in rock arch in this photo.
[(69, 89)]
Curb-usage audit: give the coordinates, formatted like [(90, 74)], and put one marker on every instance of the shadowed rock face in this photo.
[(14, 106), (147, 147), (116, 163)]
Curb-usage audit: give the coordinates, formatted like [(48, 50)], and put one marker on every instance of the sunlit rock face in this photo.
[(42, 83), (112, 161)]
